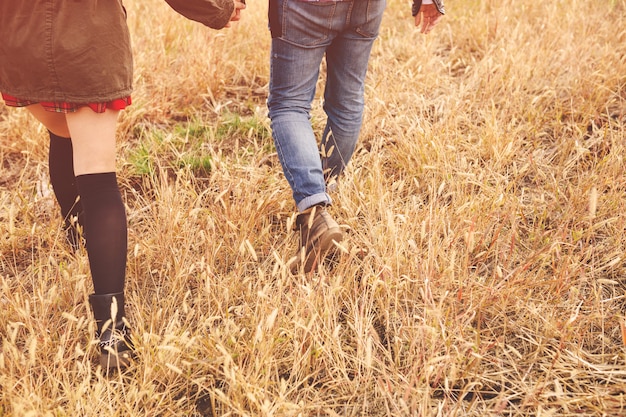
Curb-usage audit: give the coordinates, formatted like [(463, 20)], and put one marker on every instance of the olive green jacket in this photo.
[(78, 51)]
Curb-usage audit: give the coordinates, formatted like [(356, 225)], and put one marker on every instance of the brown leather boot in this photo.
[(116, 349), (318, 234)]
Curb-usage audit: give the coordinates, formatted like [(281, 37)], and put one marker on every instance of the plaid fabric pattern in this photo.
[(62, 107)]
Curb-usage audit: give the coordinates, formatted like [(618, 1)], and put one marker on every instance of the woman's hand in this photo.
[(239, 6)]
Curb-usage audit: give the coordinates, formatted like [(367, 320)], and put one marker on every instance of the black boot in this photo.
[(116, 349)]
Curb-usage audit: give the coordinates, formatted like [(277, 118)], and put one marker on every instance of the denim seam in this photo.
[(286, 171), (349, 14), (283, 20), (324, 42)]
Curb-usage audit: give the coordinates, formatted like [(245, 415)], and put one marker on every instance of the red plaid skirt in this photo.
[(62, 107)]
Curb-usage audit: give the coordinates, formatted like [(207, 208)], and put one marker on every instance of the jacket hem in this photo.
[(68, 98)]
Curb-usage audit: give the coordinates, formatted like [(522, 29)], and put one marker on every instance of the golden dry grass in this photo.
[(484, 273)]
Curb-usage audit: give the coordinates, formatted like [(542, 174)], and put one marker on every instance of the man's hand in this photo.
[(428, 16), (239, 6)]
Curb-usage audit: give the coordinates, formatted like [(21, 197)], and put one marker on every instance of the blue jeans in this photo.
[(303, 32)]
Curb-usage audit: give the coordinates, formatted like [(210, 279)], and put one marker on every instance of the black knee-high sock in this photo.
[(61, 167), (104, 222)]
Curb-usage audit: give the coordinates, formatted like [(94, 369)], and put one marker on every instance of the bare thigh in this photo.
[(54, 122), (93, 136), (93, 139)]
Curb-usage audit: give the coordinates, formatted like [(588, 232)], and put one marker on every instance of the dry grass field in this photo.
[(484, 269)]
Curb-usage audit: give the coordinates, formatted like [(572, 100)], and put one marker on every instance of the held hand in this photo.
[(428, 16), (239, 6)]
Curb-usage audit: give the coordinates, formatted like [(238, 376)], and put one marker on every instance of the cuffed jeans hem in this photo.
[(312, 200)]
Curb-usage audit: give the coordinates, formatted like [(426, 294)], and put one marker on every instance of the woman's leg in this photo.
[(93, 140), (104, 218), (54, 122), (61, 168), (63, 180)]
